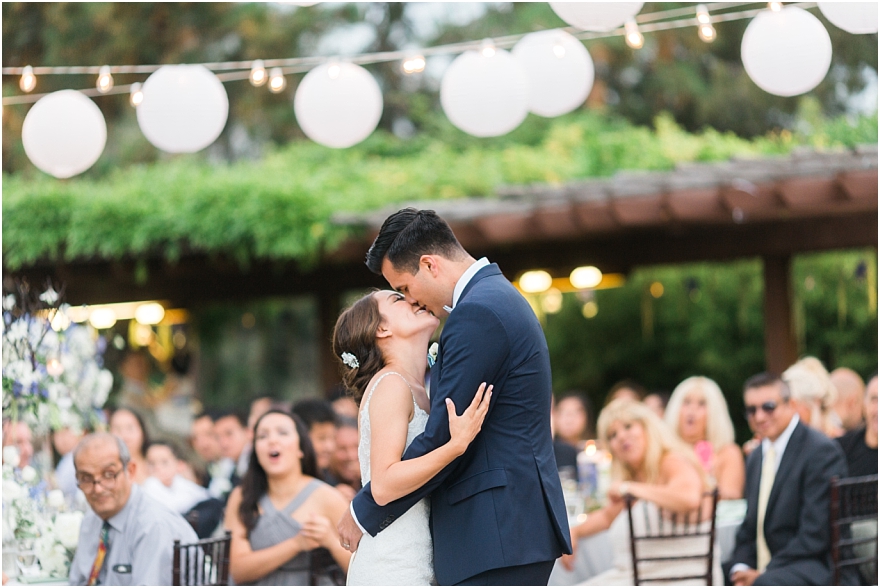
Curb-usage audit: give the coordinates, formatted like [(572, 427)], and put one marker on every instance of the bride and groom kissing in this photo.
[(473, 499)]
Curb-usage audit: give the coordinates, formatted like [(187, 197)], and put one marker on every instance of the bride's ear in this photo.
[(383, 331)]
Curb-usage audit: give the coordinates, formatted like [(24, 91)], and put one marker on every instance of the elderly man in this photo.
[(784, 539), (850, 396), (127, 538)]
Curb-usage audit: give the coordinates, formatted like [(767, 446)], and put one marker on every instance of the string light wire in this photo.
[(241, 70)]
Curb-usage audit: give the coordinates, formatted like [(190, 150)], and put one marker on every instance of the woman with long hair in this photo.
[(129, 426), (697, 412), (382, 342), (281, 514), (657, 469)]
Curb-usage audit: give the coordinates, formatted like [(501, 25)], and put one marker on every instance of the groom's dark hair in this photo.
[(409, 234)]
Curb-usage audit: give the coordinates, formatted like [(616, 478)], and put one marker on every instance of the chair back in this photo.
[(671, 526), (854, 527), (203, 563)]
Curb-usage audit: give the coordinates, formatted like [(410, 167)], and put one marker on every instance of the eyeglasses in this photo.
[(767, 407), (107, 480)]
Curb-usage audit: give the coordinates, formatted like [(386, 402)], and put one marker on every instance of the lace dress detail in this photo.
[(402, 554)]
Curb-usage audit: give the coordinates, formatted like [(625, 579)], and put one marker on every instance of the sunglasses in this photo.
[(767, 407)]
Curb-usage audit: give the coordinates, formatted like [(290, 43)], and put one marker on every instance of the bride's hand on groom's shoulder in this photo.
[(464, 428)]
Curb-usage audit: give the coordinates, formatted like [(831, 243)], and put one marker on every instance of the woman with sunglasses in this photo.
[(698, 412)]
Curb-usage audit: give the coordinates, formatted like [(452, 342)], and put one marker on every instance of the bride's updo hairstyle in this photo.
[(354, 344)]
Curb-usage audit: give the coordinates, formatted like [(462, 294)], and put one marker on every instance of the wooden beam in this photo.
[(780, 346)]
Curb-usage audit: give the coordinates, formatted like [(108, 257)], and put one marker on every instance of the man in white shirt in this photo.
[(127, 538), (784, 539)]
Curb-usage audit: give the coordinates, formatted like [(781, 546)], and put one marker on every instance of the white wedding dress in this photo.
[(402, 554)]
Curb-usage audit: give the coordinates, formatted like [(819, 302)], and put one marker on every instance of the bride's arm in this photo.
[(391, 408)]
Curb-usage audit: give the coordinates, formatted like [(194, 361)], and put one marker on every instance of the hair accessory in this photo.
[(350, 360)]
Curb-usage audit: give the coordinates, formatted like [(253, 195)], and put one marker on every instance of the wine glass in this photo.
[(26, 558)]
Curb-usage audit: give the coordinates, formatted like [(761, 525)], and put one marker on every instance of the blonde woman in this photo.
[(658, 469), (813, 394), (698, 412)]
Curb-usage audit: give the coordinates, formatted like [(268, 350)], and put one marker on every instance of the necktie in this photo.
[(768, 476), (103, 546)]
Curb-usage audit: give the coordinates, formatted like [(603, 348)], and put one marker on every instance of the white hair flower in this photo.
[(350, 360)]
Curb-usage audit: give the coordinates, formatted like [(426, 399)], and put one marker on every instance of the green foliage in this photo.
[(709, 321), (281, 206)]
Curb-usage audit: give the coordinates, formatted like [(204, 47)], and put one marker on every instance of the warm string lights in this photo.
[(410, 63)]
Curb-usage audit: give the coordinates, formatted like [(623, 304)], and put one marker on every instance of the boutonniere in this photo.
[(432, 353)]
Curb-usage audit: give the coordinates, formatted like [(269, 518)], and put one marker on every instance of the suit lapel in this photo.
[(792, 452)]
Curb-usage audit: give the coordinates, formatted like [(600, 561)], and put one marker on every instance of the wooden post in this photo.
[(780, 346), (328, 311)]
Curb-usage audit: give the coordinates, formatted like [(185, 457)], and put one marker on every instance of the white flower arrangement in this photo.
[(51, 379)]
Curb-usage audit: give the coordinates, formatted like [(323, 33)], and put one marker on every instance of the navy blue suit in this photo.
[(500, 504)]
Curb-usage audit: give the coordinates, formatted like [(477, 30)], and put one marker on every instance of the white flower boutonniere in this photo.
[(433, 350)]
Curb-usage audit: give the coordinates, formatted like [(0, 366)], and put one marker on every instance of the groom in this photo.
[(497, 512)]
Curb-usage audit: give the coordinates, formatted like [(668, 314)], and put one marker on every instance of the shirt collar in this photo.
[(782, 441), (464, 280), (118, 520)]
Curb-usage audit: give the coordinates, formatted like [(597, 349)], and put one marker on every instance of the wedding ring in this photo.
[(346, 545)]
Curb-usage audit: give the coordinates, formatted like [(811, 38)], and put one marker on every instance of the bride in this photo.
[(382, 342)]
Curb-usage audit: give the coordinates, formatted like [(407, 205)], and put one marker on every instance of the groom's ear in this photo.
[(430, 264)]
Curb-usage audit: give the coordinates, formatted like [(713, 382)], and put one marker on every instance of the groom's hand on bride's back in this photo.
[(463, 429), (349, 532)]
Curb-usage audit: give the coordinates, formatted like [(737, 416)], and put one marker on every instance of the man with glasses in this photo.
[(784, 539), (127, 538)]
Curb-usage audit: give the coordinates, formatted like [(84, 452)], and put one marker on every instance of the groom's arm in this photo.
[(475, 345)]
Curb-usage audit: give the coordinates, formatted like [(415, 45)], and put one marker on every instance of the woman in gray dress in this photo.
[(282, 513)]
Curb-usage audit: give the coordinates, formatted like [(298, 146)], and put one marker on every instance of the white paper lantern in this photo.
[(338, 104), (64, 133), (485, 94), (596, 16), (559, 70), (184, 108), (786, 53), (859, 18)]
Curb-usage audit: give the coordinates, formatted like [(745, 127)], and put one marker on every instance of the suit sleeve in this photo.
[(475, 347), (813, 538)]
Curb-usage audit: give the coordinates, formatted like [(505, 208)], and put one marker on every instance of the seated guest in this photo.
[(697, 412), (259, 407), (628, 389), (19, 435), (850, 398), (571, 418), (204, 442), (813, 395), (282, 512), (785, 538), (344, 466), (235, 442), (318, 416), (342, 401), (651, 464), (129, 426), (566, 454), (64, 440), (657, 402), (126, 539), (165, 483), (860, 446)]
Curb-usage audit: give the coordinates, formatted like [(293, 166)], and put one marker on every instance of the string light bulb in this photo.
[(775, 6), (487, 48), (333, 71), (136, 95), (414, 64), (558, 50), (105, 80), (704, 25), (633, 36), (28, 80), (276, 80), (258, 75)]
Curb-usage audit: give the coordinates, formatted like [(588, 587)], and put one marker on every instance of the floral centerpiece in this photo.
[(53, 374)]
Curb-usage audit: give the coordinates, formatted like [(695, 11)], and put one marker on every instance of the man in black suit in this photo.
[(497, 512), (785, 538)]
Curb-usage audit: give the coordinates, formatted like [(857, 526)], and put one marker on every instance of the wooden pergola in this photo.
[(772, 208)]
